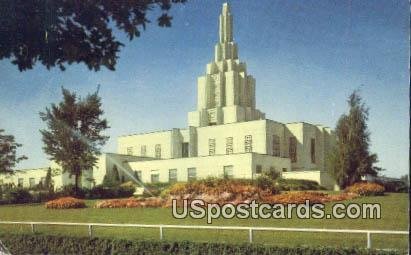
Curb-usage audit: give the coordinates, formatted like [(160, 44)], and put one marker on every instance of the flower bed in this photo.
[(301, 196), (130, 203), (366, 189), (65, 203)]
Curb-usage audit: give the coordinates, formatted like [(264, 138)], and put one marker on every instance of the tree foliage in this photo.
[(48, 182), (112, 178), (73, 137), (59, 32), (351, 157), (8, 153)]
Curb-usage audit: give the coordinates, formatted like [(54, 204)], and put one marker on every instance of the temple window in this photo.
[(293, 149), (248, 143)]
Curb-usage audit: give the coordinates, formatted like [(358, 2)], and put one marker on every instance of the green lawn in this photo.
[(394, 217)]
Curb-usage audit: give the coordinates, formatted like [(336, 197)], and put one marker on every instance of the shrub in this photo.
[(99, 192), (366, 189), (65, 203), (212, 185), (267, 184), (295, 184), (41, 196), (394, 186), (272, 174), (71, 191), (17, 196), (42, 244)]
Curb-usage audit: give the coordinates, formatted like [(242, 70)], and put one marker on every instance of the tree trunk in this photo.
[(76, 185)]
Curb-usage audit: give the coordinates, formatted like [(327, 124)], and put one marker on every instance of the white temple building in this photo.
[(227, 136)]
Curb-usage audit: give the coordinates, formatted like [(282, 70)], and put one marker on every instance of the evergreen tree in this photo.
[(48, 182), (116, 174), (136, 176), (351, 157), (112, 178), (73, 137), (8, 150)]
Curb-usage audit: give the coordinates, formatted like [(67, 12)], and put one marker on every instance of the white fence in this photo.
[(250, 230)]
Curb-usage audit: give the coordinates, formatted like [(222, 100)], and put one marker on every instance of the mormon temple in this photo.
[(227, 136)]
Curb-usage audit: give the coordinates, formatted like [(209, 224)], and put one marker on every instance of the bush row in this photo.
[(20, 195), (39, 244)]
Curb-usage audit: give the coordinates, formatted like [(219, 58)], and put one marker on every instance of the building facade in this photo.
[(227, 136)]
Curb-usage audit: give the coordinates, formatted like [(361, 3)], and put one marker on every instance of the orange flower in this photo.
[(65, 203)]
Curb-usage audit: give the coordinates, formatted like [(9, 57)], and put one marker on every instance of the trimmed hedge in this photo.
[(22, 195), (39, 244)]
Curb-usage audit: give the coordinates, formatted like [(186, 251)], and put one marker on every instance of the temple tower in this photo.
[(226, 93)]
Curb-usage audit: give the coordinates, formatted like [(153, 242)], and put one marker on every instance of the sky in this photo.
[(306, 56)]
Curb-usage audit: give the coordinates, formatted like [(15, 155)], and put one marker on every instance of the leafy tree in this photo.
[(8, 150), (73, 137), (48, 182), (351, 157), (59, 32)]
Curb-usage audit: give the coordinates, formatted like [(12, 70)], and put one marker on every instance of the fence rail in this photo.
[(250, 230)]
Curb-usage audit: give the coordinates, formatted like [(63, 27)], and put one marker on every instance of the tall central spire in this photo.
[(226, 48), (226, 93), (226, 25)]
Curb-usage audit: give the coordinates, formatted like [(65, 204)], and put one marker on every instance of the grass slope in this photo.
[(394, 217)]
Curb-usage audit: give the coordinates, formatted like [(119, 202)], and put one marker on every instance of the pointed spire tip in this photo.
[(226, 8)]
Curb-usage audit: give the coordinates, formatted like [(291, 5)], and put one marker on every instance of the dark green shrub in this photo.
[(100, 192), (41, 196), (266, 183), (17, 196), (71, 191), (295, 184), (39, 244), (395, 186), (272, 174)]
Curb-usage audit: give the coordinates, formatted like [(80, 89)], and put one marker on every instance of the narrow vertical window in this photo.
[(129, 150), (229, 145), (293, 149), (258, 169), (172, 175), (155, 176), (276, 146), (143, 151), (32, 182), (228, 172), (184, 150), (211, 147), (158, 150), (313, 150), (20, 182), (248, 143), (191, 174)]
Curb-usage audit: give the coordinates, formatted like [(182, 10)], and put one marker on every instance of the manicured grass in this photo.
[(394, 216)]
